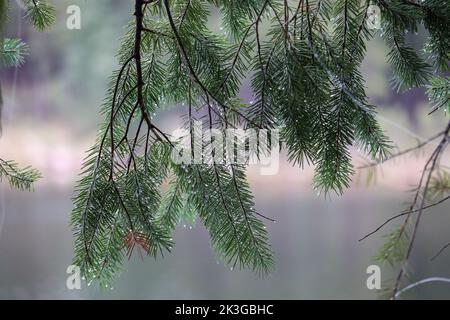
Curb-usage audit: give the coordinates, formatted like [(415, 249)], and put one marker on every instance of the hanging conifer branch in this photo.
[(430, 167), (306, 81), (411, 70)]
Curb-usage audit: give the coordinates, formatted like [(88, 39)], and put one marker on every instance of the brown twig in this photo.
[(403, 152), (440, 251)]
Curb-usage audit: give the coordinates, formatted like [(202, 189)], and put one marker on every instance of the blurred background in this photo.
[(50, 117)]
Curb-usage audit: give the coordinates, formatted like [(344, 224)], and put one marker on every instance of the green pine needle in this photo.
[(13, 52), (19, 178), (40, 13)]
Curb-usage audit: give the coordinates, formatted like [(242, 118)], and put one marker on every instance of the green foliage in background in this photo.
[(439, 93)]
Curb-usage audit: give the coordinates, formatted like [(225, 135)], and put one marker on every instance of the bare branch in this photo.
[(440, 251)]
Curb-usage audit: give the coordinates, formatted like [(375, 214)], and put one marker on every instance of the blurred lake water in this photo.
[(316, 243)]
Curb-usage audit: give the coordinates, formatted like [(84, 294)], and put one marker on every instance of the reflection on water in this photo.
[(315, 240)]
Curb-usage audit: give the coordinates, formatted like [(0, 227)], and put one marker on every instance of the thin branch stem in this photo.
[(436, 156), (401, 153), (440, 252), (403, 214)]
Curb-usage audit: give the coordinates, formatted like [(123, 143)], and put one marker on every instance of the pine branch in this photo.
[(433, 161), (20, 178), (419, 146), (13, 52), (404, 213), (306, 82), (40, 13), (440, 252)]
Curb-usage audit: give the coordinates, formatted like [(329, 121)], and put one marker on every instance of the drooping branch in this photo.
[(208, 94), (404, 213), (307, 81), (440, 251), (434, 160)]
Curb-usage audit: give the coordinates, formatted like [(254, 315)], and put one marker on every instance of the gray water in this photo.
[(316, 243)]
